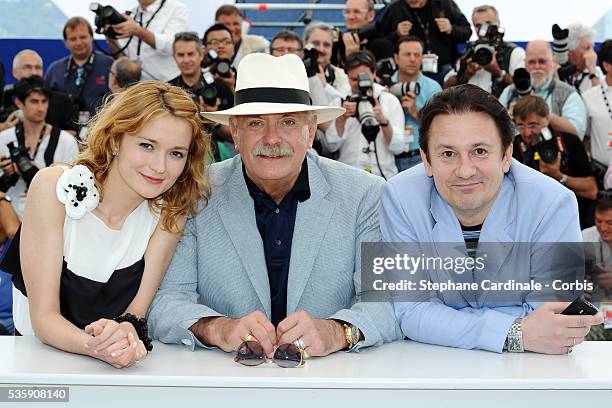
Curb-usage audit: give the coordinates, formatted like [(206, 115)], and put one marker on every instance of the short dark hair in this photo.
[(604, 204), (215, 27), (529, 104), (74, 22), (127, 72), (605, 54), (187, 36), (227, 10), (26, 86), (408, 38), (286, 35), (465, 99), (356, 59)]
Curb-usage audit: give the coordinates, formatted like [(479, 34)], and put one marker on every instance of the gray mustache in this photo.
[(272, 150)]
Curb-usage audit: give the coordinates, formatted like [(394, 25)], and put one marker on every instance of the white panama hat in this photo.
[(266, 85)]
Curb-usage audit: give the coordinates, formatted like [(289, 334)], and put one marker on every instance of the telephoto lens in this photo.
[(522, 81), (401, 89), (559, 46), (224, 68)]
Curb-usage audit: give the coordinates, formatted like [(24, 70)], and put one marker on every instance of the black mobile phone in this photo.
[(580, 307)]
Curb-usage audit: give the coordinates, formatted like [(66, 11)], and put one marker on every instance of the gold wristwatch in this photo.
[(352, 335)]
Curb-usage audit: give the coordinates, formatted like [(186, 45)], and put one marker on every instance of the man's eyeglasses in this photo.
[(214, 43), (31, 67), (531, 126), (250, 353)]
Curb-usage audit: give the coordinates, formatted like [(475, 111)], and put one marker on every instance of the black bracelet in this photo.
[(140, 325)]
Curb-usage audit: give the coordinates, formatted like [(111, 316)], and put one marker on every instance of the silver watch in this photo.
[(514, 341)]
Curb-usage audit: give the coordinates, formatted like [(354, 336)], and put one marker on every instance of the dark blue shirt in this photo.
[(87, 84), (275, 224)]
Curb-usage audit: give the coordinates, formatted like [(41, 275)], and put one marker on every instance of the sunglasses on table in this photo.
[(250, 353)]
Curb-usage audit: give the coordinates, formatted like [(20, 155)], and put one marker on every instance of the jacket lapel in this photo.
[(237, 213), (497, 241), (311, 223)]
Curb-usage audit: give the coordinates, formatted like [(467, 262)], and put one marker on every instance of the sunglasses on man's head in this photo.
[(250, 353)]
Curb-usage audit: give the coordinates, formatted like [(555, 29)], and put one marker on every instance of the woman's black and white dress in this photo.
[(102, 267)]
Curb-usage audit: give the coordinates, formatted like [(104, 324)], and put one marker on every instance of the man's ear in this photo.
[(507, 158), (312, 129), (234, 132), (426, 163), (19, 104)]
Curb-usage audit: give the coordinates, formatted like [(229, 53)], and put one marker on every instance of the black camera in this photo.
[(216, 65), (401, 89), (365, 106), (522, 82), (560, 53), (208, 90), (106, 15), (490, 36), (385, 68), (311, 60), (6, 182), (21, 158), (547, 149), (369, 32)]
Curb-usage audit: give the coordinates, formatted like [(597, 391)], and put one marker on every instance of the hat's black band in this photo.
[(272, 95)]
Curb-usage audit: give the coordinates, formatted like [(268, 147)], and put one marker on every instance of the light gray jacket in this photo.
[(219, 267)]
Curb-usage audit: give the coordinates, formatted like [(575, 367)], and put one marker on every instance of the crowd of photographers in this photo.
[(381, 69)]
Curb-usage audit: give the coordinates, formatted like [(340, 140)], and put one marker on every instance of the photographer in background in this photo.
[(84, 73), (218, 38), (209, 93), (370, 132), (599, 247), (413, 89), (580, 43), (559, 155), (320, 35), (440, 24), (598, 102), (361, 33), (63, 112), (35, 144), (123, 73), (243, 44), (567, 111), (501, 57), (9, 224), (148, 35)]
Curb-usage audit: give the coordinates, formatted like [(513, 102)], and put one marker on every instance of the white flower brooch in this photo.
[(77, 191)]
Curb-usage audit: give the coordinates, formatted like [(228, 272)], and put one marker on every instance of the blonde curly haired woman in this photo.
[(97, 236)]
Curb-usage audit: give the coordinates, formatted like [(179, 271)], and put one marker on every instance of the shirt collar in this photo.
[(301, 188)]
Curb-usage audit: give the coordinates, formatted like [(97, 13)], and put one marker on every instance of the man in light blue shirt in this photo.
[(468, 191), (409, 57), (568, 113)]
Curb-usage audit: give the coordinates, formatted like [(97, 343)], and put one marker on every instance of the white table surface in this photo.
[(400, 366)]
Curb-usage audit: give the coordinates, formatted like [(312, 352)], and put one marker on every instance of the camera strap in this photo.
[(147, 24), (605, 98), (20, 135), (51, 147)]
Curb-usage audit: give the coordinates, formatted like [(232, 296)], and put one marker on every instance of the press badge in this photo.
[(408, 134)]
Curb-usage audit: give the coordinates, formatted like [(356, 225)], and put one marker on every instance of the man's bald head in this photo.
[(27, 63), (539, 62)]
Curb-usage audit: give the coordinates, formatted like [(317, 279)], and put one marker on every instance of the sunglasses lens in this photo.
[(250, 353), (287, 355)]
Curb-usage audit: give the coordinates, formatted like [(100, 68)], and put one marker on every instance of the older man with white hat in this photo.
[(275, 257)]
